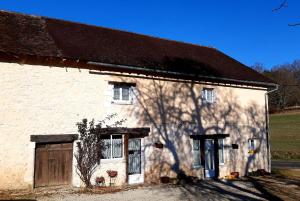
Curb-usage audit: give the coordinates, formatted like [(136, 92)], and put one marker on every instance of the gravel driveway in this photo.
[(273, 187), (206, 190)]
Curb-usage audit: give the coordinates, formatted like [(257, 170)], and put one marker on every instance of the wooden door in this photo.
[(53, 164)]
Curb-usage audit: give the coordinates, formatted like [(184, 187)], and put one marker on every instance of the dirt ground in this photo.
[(255, 188), (281, 187)]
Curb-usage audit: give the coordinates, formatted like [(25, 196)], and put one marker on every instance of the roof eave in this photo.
[(192, 77)]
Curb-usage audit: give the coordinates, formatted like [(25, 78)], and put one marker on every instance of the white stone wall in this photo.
[(38, 100)]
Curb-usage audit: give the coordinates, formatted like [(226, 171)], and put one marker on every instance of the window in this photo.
[(112, 146), (208, 95), (122, 93), (221, 151), (251, 144), (197, 153)]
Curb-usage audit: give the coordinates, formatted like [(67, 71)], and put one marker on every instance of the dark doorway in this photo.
[(209, 147)]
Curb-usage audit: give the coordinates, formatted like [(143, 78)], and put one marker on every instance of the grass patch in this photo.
[(288, 173), (285, 135)]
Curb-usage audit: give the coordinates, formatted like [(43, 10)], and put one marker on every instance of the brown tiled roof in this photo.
[(40, 36)]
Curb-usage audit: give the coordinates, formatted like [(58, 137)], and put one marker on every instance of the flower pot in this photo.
[(100, 180), (165, 180), (112, 173), (235, 174), (158, 145)]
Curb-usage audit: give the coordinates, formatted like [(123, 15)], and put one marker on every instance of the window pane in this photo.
[(125, 93), (209, 95), (117, 146), (116, 93), (105, 149), (196, 144), (221, 151), (197, 161), (134, 156), (134, 144), (196, 150), (251, 144)]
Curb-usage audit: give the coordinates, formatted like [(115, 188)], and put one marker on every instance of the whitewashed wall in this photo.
[(38, 100)]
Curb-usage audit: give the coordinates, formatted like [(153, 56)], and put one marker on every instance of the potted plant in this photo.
[(100, 181), (235, 174), (112, 173), (158, 145)]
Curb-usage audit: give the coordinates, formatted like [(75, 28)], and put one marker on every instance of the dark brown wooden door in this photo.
[(53, 164)]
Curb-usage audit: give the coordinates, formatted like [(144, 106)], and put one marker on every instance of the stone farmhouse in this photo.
[(191, 110)]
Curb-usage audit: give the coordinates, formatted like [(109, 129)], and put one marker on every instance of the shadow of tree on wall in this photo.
[(176, 110), (257, 131)]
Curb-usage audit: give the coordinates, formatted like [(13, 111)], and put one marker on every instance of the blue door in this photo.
[(209, 158)]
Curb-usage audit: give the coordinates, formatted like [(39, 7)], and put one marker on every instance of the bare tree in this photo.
[(89, 147), (259, 67), (283, 5), (288, 78)]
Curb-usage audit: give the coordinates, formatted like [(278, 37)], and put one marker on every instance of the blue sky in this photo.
[(247, 30)]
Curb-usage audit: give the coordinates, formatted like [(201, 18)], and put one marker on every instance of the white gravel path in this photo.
[(209, 190)]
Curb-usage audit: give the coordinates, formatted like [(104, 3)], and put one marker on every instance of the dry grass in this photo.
[(288, 173), (285, 135), (282, 187), (35, 194)]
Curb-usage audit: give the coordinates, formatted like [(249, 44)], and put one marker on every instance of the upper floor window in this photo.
[(208, 95), (122, 92)]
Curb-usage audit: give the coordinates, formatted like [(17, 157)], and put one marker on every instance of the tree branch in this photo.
[(284, 4), (294, 24)]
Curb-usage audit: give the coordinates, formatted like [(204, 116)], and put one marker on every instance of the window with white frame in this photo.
[(196, 153), (221, 151), (208, 95), (111, 146), (251, 144), (122, 93)]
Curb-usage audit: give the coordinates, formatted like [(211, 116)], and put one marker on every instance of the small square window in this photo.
[(251, 144), (208, 95), (122, 93)]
